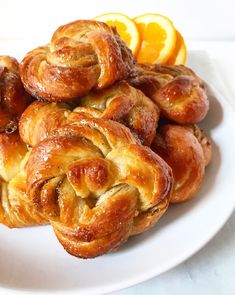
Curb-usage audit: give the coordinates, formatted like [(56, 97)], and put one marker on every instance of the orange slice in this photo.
[(179, 55), (158, 37), (126, 28)]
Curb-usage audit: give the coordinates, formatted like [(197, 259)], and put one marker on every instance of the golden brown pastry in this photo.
[(40, 119), (176, 90), (82, 55), (184, 154), (203, 140), (167, 72), (16, 210), (13, 98), (125, 104), (96, 184), (119, 102)]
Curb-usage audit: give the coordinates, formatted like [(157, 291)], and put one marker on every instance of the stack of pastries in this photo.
[(94, 144)]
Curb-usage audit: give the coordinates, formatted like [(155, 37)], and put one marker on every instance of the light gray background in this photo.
[(197, 20)]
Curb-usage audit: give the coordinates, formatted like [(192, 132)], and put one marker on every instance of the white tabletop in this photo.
[(212, 270)]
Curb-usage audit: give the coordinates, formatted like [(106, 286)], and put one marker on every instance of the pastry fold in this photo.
[(119, 102), (16, 210), (82, 55), (91, 179), (177, 90)]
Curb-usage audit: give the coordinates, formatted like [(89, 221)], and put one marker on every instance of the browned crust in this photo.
[(204, 140), (42, 117), (177, 91), (13, 98), (182, 100), (82, 55), (184, 154), (120, 102), (146, 220), (15, 208), (127, 105), (91, 179)]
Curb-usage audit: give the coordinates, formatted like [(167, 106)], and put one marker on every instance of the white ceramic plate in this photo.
[(32, 259)]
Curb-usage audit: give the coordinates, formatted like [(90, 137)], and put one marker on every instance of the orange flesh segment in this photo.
[(153, 37)]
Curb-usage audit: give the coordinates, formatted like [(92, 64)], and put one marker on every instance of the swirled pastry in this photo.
[(16, 210), (13, 98), (91, 179), (82, 55), (177, 91), (184, 154), (119, 102), (124, 104), (168, 72)]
